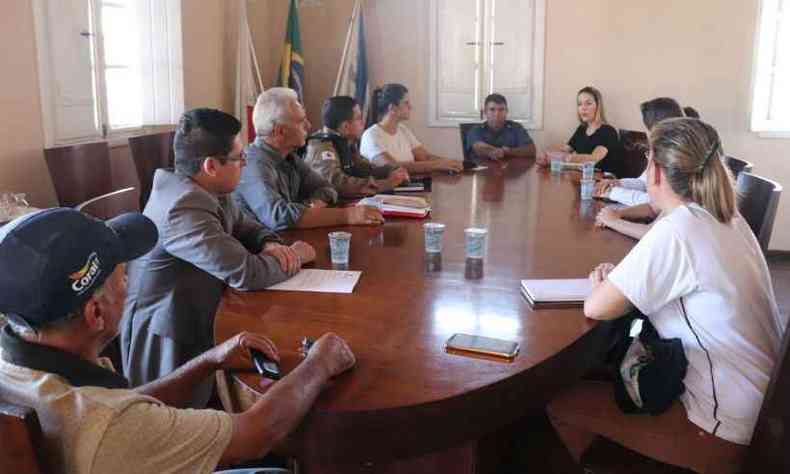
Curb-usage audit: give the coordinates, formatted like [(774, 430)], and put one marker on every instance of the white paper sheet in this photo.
[(321, 281)]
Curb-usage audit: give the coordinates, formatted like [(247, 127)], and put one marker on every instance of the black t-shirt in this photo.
[(605, 136)]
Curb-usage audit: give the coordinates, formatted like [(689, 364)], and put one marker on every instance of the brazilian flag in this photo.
[(292, 64)]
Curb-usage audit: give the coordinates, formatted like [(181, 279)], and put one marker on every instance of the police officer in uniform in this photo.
[(333, 152), (498, 137)]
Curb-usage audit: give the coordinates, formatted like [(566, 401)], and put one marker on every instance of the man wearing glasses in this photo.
[(277, 187), (205, 244)]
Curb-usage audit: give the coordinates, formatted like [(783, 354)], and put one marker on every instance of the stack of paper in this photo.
[(556, 290), (400, 206)]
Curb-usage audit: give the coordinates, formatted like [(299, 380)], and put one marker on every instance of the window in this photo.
[(108, 68), (771, 100), (483, 46)]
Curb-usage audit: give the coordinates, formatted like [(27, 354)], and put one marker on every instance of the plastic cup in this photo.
[(339, 244), (375, 201), (434, 232), (475, 242), (588, 170), (587, 188), (556, 166)]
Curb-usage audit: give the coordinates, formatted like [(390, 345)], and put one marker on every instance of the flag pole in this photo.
[(254, 58), (355, 11)]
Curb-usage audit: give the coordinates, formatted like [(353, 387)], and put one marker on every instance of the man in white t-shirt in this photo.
[(390, 142)]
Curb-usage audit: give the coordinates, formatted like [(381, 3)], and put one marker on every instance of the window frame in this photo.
[(770, 14), (114, 137), (538, 47)]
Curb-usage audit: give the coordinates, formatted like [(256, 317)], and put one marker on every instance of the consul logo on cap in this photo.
[(83, 279)]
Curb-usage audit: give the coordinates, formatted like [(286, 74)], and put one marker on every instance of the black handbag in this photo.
[(649, 370)]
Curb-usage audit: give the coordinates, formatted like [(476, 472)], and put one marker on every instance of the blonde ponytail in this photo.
[(689, 151)]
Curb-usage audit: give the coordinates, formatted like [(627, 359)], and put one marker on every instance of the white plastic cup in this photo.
[(434, 232), (588, 170), (475, 242), (586, 189), (339, 246)]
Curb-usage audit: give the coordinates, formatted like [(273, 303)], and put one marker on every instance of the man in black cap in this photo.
[(62, 292)]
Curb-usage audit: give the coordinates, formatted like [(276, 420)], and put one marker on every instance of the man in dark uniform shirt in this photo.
[(499, 137)]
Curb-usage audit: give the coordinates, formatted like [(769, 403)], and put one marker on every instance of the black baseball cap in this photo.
[(51, 261)]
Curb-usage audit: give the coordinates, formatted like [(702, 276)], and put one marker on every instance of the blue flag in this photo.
[(352, 78), (292, 64)]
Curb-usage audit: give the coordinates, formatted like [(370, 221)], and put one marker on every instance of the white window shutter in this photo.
[(514, 47), (66, 57), (456, 46), (483, 46), (161, 62)]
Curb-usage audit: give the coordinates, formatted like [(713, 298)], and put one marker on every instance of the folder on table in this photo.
[(556, 290), (401, 206)]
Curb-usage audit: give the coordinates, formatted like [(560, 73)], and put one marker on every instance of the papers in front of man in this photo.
[(399, 206), (321, 281), (556, 290)]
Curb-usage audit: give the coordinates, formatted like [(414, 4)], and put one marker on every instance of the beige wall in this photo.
[(699, 52), (22, 167), (21, 131)]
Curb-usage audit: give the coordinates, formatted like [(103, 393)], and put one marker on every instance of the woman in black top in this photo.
[(594, 140)]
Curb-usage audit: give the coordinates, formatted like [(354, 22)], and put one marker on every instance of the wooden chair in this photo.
[(149, 153), (767, 453), (20, 433), (111, 204), (758, 199), (79, 172), (464, 128), (769, 449), (634, 146), (106, 207), (737, 166)]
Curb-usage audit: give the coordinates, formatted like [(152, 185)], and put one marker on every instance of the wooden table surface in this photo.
[(408, 396)]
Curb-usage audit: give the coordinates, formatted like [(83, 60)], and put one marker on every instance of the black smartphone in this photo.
[(265, 366)]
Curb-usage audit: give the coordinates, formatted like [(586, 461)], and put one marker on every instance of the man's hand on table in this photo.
[(291, 258), (235, 352), (333, 354)]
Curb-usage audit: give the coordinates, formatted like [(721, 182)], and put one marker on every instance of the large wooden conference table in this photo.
[(409, 405)]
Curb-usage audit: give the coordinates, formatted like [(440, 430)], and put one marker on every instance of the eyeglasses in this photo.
[(242, 157)]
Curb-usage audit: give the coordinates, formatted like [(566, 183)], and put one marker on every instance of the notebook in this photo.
[(401, 206), (556, 290)]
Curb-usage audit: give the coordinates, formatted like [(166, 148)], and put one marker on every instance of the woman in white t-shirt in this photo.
[(390, 142), (698, 275)]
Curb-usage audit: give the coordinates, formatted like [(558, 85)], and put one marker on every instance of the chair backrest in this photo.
[(634, 145), (464, 128), (737, 166), (111, 204), (20, 433), (79, 172), (149, 153), (758, 199), (769, 451)]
